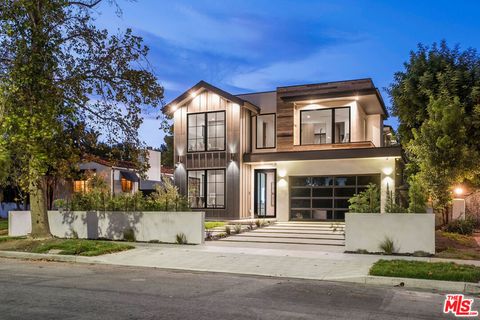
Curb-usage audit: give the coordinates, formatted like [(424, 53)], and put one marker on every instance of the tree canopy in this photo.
[(60, 77), (437, 101)]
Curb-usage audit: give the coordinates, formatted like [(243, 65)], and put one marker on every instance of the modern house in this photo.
[(295, 153)]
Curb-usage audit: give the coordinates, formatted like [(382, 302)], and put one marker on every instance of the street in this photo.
[(48, 290)]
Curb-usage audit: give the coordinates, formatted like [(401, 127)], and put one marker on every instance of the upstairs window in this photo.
[(266, 131), (325, 126), (206, 131)]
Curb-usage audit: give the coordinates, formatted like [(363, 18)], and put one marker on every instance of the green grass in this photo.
[(213, 224), (448, 271), (65, 246), (3, 224)]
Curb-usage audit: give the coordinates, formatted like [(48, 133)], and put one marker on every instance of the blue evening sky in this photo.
[(252, 45)]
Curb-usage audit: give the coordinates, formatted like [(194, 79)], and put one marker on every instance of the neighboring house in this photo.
[(295, 153), (121, 176)]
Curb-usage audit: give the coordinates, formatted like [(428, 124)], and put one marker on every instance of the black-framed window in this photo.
[(206, 188), (206, 131), (266, 131), (325, 126)]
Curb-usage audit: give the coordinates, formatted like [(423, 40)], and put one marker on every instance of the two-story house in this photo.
[(295, 153)]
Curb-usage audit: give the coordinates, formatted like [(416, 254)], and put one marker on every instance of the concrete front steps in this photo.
[(304, 233)]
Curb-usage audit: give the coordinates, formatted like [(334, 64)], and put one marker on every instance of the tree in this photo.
[(437, 101), (167, 148), (59, 73), (417, 196)]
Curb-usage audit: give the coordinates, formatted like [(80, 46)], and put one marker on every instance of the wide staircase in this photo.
[(293, 232)]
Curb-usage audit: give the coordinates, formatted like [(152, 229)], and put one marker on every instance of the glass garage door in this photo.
[(325, 197)]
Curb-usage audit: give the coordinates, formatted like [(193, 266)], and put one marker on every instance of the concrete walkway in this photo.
[(297, 261)]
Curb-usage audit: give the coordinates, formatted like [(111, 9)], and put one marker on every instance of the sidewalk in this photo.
[(275, 260)]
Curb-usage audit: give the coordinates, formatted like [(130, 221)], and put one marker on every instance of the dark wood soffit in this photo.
[(324, 154)]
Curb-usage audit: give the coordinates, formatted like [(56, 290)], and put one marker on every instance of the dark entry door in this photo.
[(265, 193)]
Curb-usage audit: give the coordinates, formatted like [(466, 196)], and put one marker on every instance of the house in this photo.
[(120, 176), (294, 153)]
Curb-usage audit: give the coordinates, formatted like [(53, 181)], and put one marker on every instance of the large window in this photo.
[(266, 131), (325, 197), (206, 131), (211, 181), (325, 126)]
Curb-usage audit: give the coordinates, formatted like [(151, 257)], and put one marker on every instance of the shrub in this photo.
[(417, 196), (258, 223), (129, 235), (250, 225), (367, 201), (181, 238), (238, 228), (465, 227), (167, 198), (388, 246), (228, 231), (390, 205)]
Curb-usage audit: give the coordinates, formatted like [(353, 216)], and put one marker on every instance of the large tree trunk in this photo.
[(38, 209)]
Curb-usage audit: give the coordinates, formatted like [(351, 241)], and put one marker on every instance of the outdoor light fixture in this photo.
[(458, 191), (193, 94), (282, 173), (174, 108), (387, 170)]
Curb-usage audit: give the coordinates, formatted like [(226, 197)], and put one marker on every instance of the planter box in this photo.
[(146, 226), (410, 231)]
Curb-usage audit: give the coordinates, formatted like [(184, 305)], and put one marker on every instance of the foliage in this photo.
[(367, 201), (60, 78), (417, 196), (465, 227), (437, 101), (228, 231), (181, 238), (388, 246), (447, 271), (99, 198), (66, 246), (167, 147), (213, 224), (237, 228), (390, 205)]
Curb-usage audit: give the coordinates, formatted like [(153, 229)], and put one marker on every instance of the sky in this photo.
[(254, 45)]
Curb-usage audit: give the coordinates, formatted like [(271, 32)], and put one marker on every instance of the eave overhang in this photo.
[(376, 152)]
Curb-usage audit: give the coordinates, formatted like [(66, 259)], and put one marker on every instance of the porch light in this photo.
[(193, 94), (387, 170), (282, 173), (174, 108), (458, 191)]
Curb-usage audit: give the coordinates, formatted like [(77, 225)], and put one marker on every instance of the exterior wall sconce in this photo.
[(233, 157)]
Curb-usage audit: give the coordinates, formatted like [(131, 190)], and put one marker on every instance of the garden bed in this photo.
[(447, 271), (62, 246), (456, 246)]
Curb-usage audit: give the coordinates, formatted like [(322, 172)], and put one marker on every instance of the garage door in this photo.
[(325, 197)]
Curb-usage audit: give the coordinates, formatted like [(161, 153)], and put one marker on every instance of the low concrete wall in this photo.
[(146, 226), (410, 232)]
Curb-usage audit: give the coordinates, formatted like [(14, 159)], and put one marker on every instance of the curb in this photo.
[(45, 257), (449, 286), (441, 285)]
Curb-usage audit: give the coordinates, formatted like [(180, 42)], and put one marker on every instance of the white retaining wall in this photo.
[(410, 231), (147, 226)]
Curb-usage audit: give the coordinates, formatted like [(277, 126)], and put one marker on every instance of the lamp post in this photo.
[(458, 203)]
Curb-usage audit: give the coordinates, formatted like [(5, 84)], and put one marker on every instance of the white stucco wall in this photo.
[(410, 232), (147, 226), (285, 169)]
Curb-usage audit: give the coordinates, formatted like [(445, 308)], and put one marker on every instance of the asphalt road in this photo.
[(48, 290)]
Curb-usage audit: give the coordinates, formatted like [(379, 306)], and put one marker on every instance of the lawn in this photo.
[(456, 246), (3, 226), (62, 246), (213, 224), (448, 271)]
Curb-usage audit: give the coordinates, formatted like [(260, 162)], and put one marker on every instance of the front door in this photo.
[(265, 193)]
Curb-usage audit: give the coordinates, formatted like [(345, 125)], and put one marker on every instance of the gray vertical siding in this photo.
[(235, 146)]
